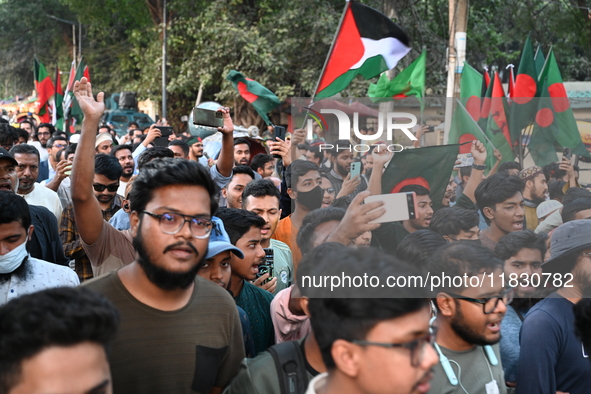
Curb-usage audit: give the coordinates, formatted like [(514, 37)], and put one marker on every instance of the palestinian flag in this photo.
[(523, 108), (367, 43), (470, 88), (58, 97), (44, 88), (410, 82), (261, 98), (497, 128), (539, 60), (568, 132), (430, 167), (541, 145)]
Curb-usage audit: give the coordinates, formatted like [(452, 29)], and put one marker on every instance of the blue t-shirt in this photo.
[(552, 357)]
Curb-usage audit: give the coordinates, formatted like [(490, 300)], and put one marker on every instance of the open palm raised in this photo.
[(90, 107)]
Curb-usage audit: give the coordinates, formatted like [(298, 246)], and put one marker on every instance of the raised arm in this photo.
[(381, 156), (225, 161), (479, 154), (87, 211)]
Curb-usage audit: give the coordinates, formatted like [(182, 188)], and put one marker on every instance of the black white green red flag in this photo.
[(367, 43)]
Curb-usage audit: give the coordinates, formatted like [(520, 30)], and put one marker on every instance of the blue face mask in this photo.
[(13, 259)]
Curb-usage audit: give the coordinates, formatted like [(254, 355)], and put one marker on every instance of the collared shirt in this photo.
[(73, 243)]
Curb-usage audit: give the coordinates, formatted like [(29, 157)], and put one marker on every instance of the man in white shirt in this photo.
[(27, 171), (44, 133)]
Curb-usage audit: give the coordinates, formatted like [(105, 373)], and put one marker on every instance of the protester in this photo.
[(535, 191), (232, 191), (48, 168), (40, 138), (340, 176), (8, 136), (315, 155), (456, 224), (103, 143), (582, 312), (56, 341), (418, 248), (556, 190), (155, 152), (450, 193), (546, 208), (511, 168), (263, 164), (196, 148), (577, 210), (241, 152), (329, 191), (123, 153), (180, 149), (555, 218)]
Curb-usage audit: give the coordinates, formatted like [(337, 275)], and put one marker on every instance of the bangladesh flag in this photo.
[(497, 128), (410, 82), (430, 167), (485, 104), (44, 88), (545, 132), (523, 108), (470, 90), (568, 133), (58, 97), (261, 98), (539, 60), (367, 43)]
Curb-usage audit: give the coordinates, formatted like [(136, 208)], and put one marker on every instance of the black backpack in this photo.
[(291, 367)]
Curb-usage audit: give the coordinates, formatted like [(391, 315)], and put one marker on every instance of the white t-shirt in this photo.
[(45, 197), (43, 155)]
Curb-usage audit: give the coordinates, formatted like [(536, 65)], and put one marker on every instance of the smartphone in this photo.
[(399, 206), (278, 132), (267, 265), (163, 140), (567, 154), (355, 169), (208, 117)]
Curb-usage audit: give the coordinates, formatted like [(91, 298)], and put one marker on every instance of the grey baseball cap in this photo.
[(568, 239), (219, 241)]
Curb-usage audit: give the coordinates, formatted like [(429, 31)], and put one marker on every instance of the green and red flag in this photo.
[(409, 82), (44, 88), (75, 111), (430, 167), (367, 43), (497, 127), (58, 98), (541, 145), (567, 134), (485, 104), (68, 96), (261, 98), (470, 90), (523, 107), (539, 60), (511, 87)]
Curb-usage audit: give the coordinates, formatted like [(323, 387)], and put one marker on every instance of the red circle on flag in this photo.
[(544, 117), (473, 107), (559, 97), (243, 90), (466, 138), (411, 181), (525, 89)]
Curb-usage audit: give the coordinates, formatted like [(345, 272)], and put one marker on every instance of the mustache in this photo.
[(190, 246)]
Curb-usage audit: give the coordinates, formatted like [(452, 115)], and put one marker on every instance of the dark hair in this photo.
[(104, 126), (260, 188), (260, 160), (574, 193), (24, 149), (120, 147), (132, 123), (340, 146), (108, 166), (71, 149), (33, 127), (314, 219), (8, 134), (465, 171), (297, 169), (157, 152), (241, 170), (418, 189), (553, 170), (63, 316), (342, 202), (495, 189), (303, 146), (353, 318), (310, 260), (570, 210), (458, 258), (450, 221), (417, 248), (23, 133), (242, 140), (555, 190), (182, 144), (166, 172), (14, 209), (510, 244), (509, 165), (48, 125), (315, 149), (238, 222), (57, 137)]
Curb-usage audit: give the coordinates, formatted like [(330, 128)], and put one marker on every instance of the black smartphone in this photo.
[(567, 153), (267, 265), (278, 132), (163, 140), (207, 117)]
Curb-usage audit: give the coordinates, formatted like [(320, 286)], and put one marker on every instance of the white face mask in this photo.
[(13, 259)]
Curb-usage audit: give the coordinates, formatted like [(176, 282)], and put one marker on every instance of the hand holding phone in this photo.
[(207, 117), (399, 206), (355, 169)]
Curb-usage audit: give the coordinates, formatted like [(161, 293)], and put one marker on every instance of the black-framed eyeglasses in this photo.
[(171, 223), (99, 187), (329, 190), (489, 304), (416, 347)]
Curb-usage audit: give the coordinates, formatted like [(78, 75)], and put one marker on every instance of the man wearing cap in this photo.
[(104, 143), (546, 209), (552, 357), (195, 148), (535, 191)]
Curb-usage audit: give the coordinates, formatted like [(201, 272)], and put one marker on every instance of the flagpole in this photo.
[(334, 40)]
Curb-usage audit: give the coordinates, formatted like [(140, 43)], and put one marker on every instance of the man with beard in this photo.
[(500, 200), (27, 171), (339, 176), (241, 152), (195, 148), (178, 331), (262, 198), (231, 195), (523, 253), (19, 272), (123, 153), (180, 149), (552, 357), (244, 230), (535, 191), (450, 193), (469, 320), (40, 138)]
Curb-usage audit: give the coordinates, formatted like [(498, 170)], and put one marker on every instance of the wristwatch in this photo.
[(480, 167)]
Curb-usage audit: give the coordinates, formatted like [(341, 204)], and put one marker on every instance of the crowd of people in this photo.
[(127, 266)]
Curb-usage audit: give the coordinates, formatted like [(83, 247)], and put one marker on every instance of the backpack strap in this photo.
[(291, 368)]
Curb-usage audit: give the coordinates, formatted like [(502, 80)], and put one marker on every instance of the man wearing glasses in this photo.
[(469, 315), (44, 133), (179, 332)]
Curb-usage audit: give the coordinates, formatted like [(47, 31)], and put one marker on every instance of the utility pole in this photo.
[(164, 60), (456, 55)]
